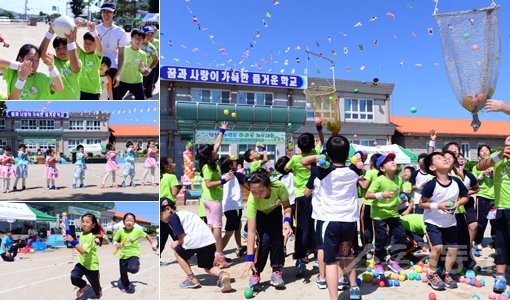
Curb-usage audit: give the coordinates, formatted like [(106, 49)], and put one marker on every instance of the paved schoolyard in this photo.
[(36, 186), (171, 275), (46, 275), (19, 34)]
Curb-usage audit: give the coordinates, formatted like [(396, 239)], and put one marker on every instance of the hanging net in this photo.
[(471, 49), (324, 102)]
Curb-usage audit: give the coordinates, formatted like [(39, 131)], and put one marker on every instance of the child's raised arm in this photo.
[(497, 106), (92, 29), (43, 48), (71, 48), (217, 143), (57, 85), (23, 72), (432, 143)]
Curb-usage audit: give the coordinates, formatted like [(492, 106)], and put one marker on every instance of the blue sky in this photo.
[(405, 54), (146, 210), (123, 112)]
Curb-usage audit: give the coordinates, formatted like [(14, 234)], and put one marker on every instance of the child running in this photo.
[(129, 166), (127, 240), (88, 262), (8, 171), (193, 237), (79, 167), (264, 212), (51, 171), (21, 167), (111, 165), (151, 162), (439, 217)]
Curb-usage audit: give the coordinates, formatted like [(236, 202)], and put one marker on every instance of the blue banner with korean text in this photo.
[(233, 77), (38, 114)]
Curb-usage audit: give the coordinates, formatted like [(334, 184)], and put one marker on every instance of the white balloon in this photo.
[(62, 26)]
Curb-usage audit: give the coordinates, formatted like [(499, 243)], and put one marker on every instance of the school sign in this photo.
[(239, 137)]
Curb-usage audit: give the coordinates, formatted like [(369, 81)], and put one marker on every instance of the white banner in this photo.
[(401, 157)]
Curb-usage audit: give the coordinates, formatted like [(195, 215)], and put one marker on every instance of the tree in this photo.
[(7, 13), (77, 7), (3, 109), (153, 6)]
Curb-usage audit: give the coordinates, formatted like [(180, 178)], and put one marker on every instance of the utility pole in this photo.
[(26, 8)]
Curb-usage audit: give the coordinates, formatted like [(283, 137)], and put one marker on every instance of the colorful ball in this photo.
[(375, 274), (382, 283), (424, 279), (375, 281), (432, 296), (478, 269), (417, 277), (356, 91), (492, 295), (502, 297), (410, 276), (472, 282), (475, 297), (225, 111), (380, 298), (396, 283), (478, 284), (389, 283), (369, 269), (248, 293), (402, 277), (418, 269), (234, 115), (470, 274), (411, 263), (482, 282)]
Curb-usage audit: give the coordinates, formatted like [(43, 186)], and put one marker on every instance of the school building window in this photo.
[(3, 143), (73, 143), (359, 109), (46, 125), (76, 125), (29, 124), (92, 141), (214, 96), (465, 150), (94, 125), (2, 124), (363, 142), (252, 98)]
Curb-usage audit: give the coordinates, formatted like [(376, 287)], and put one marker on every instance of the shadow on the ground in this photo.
[(105, 196)]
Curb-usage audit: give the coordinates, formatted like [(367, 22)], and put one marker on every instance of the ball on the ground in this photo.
[(413, 109), (492, 295), (432, 296), (502, 297), (62, 26), (248, 293), (396, 283), (475, 297)]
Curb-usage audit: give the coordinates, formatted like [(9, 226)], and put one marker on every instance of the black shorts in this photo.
[(338, 240), (502, 237), (205, 255), (233, 219), (470, 207), (442, 236), (319, 242)]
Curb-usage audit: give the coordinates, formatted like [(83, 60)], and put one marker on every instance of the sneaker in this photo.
[(355, 293), (499, 284), (121, 286), (449, 282), (189, 284), (343, 284), (394, 266), (300, 268), (254, 280), (478, 247), (81, 292), (241, 251), (123, 184), (421, 253), (132, 184), (321, 283), (219, 259), (130, 289), (475, 252), (14, 189), (224, 282), (74, 185), (23, 188), (82, 186), (435, 282), (53, 187), (48, 187), (277, 280)]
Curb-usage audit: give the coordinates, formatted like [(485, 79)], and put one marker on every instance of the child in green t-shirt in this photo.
[(385, 192), (66, 61), (168, 183), (126, 239), (406, 204), (35, 85), (501, 164), (90, 57), (152, 52), (365, 219), (252, 157), (88, 262), (135, 67)]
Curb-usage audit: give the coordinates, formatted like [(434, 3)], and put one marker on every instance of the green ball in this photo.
[(248, 293), (467, 35), (413, 109), (411, 263), (356, 91)]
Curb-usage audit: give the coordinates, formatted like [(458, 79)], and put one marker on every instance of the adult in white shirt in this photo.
[(113, 39)]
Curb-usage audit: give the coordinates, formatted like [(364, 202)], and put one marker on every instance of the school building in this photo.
[(42, 130), (413, 133), (260, 107)]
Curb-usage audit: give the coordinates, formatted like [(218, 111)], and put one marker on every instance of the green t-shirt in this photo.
[(461, 209), (214, 193), (278, 193), (383, 209), (37, 86), (414, 223), (167, 182), (370, 175), (70, 79), (3, 95), (406, 187), (486, 185), (90, 79), (150, 50), (131, 245), (155, 42), (301, 173), (89, 259), (502, 183), (131, 70), (255, 165)]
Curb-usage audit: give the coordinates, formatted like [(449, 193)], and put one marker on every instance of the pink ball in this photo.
[(478, 284), (359, 165), (462, 278), (421, 264), (492, 295), (502, 297), (424, 279), (467, 281)]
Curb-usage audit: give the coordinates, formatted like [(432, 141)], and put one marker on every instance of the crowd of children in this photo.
[(16, 167), (430, 211), (108, 66)]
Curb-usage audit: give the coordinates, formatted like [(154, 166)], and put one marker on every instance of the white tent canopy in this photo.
[(121, 225), (400, 156), (151, 18), (10, 212)]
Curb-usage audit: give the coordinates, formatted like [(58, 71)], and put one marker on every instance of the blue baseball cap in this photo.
[(148, 29), (383, 158), (108, 6)]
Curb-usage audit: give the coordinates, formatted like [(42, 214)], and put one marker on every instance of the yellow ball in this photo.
[(234, 115), (225, 111), (401, 278), (419, 269)]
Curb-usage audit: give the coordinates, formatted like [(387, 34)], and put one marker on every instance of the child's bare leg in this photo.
[(332, 280)]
